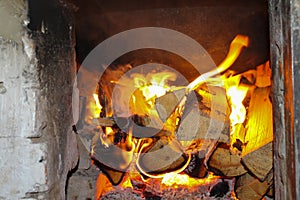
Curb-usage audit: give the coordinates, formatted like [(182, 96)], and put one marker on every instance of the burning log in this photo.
[(196, 167), (114, 156), (257, 153), (226, 161), (162, 156), (205, 117), (135, 123), (166, 104), (115, 177), (249, 187)]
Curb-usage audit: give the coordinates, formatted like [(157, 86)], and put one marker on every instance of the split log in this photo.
[(115, 177), (137, 124), (205, 116), (114, 156), (249, 187), (166, 104), (105, 121), (227, 162), (257, 153), (162, 156)]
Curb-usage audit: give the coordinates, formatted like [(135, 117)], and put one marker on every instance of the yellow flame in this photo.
[(175, 180), (149, 87), (238, 110), (95, 106), (127, 183), (235, 49)]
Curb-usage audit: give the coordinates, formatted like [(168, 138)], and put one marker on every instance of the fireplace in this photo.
[(161, 100)]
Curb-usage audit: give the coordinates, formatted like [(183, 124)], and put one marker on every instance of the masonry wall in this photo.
[(37, 145)]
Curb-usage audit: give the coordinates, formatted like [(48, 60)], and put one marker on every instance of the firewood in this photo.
[(263, 77), (249, 187), (115, 156), (205, 116), (137, 124), (260, 162), (257, 153), (115, 177), (227, 162), (105, 121), (166, 104), (162, 156)]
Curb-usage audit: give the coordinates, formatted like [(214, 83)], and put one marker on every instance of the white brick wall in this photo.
[(22, 162)]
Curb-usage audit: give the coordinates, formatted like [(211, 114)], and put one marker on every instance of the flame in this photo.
[(238, 110), (95, 106), (235, 49), (148, 88), (155, 84), (175, 180), (236, 94), (103, 185)]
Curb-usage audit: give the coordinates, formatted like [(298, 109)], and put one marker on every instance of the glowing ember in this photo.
[(175, 180)]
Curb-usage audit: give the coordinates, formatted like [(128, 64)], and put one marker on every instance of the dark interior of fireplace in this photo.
[(213, 24)]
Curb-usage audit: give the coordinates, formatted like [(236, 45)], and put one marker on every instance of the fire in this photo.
[(235, 49), (146, 88), (95, 106), (236, 94), (154, 84), (176, 180)]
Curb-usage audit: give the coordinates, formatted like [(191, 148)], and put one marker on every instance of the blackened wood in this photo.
[(196, 167)]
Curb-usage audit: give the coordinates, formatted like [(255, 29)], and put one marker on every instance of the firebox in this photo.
[(150, 100), (163, 117)]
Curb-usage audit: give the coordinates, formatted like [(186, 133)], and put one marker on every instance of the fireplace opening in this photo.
[(139, 100), (151, 124)]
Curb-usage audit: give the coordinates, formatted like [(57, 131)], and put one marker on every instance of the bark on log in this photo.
[(257, 153), (227, 162)]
